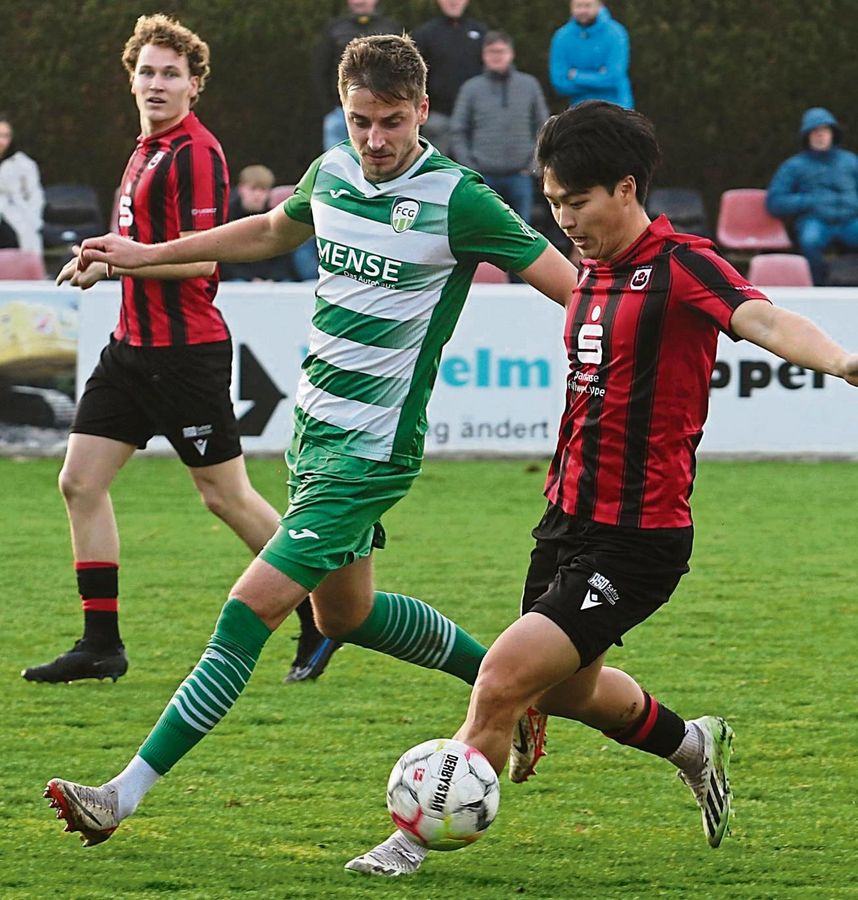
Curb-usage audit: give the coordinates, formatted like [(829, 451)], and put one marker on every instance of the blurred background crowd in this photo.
[(752, 101)]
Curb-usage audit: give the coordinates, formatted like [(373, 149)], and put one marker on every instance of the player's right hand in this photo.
[(76, 276), (114, 250)]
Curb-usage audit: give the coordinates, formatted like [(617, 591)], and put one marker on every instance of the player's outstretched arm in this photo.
[(246, 240), (85, 277), (553, 275), (793, 338)]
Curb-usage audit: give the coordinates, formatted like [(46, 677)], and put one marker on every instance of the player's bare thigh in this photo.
[(91, 462), (530, 657)]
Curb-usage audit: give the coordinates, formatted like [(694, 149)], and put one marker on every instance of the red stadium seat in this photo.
[(21, 265), (780, 270), (488, 274), (279, 193), (744, 224)]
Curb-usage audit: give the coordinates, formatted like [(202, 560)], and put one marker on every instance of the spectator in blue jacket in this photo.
[(817, 191), (589, 57)]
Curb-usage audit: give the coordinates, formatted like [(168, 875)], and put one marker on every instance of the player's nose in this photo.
[(566, 218), (375, 138)]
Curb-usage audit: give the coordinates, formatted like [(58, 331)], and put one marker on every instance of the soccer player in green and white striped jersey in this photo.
[(400, 230)]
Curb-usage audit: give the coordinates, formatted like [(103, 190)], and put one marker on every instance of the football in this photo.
[(443, 794)]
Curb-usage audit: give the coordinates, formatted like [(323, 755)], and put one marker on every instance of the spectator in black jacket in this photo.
[(452, 45), (360, 20)]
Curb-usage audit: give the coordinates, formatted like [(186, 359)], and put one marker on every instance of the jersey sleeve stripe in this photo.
[(185, 188), (220, 187), (709, 274)]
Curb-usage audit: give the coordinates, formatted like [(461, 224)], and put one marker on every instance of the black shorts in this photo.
[(598, 581), (180, 392)]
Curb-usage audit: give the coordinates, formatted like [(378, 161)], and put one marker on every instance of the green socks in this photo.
[(411, 630), (398, 626), (209, 692)]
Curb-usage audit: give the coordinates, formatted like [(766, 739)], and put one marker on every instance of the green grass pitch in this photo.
[(291, 785)]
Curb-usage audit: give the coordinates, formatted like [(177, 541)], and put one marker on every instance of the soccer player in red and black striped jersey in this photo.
[(167, 368), (641, 333)]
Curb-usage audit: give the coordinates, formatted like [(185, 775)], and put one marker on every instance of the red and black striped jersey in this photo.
[(641, 335), (175, 181)]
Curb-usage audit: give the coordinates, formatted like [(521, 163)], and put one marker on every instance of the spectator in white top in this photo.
[(21, 196)]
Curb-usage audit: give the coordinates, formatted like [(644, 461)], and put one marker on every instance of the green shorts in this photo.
[(335, 504)]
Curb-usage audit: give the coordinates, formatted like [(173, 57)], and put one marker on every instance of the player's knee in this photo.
[(497, 695), (76, 484), (214, 500), (336, 623)]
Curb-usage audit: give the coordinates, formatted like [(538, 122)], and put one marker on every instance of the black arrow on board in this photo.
[(255, 384)]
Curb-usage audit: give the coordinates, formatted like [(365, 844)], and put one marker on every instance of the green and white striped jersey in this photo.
[(396, 262)]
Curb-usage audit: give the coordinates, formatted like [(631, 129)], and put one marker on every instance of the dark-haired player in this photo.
[(168, 365), (641, 334)]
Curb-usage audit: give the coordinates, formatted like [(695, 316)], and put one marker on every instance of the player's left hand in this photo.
[(82, 278)]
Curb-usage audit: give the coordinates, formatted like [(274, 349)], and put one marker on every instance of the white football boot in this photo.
[(711, 784), (393, 857), (93, 811)]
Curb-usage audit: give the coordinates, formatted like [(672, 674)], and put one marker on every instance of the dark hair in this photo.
[(388, 65), (498, 37), (598, 143)]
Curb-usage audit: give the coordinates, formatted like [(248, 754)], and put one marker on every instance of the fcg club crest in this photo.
[(403, 214), (641, 277)]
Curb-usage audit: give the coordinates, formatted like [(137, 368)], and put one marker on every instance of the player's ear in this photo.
[(628, 187), (423, 111)]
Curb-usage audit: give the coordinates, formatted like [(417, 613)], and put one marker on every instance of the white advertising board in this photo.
[(761, 405), (500, 384)]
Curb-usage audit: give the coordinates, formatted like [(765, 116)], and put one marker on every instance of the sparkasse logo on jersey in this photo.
[(403, 214)]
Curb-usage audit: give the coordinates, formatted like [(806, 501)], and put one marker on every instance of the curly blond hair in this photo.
[(163, 31)]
